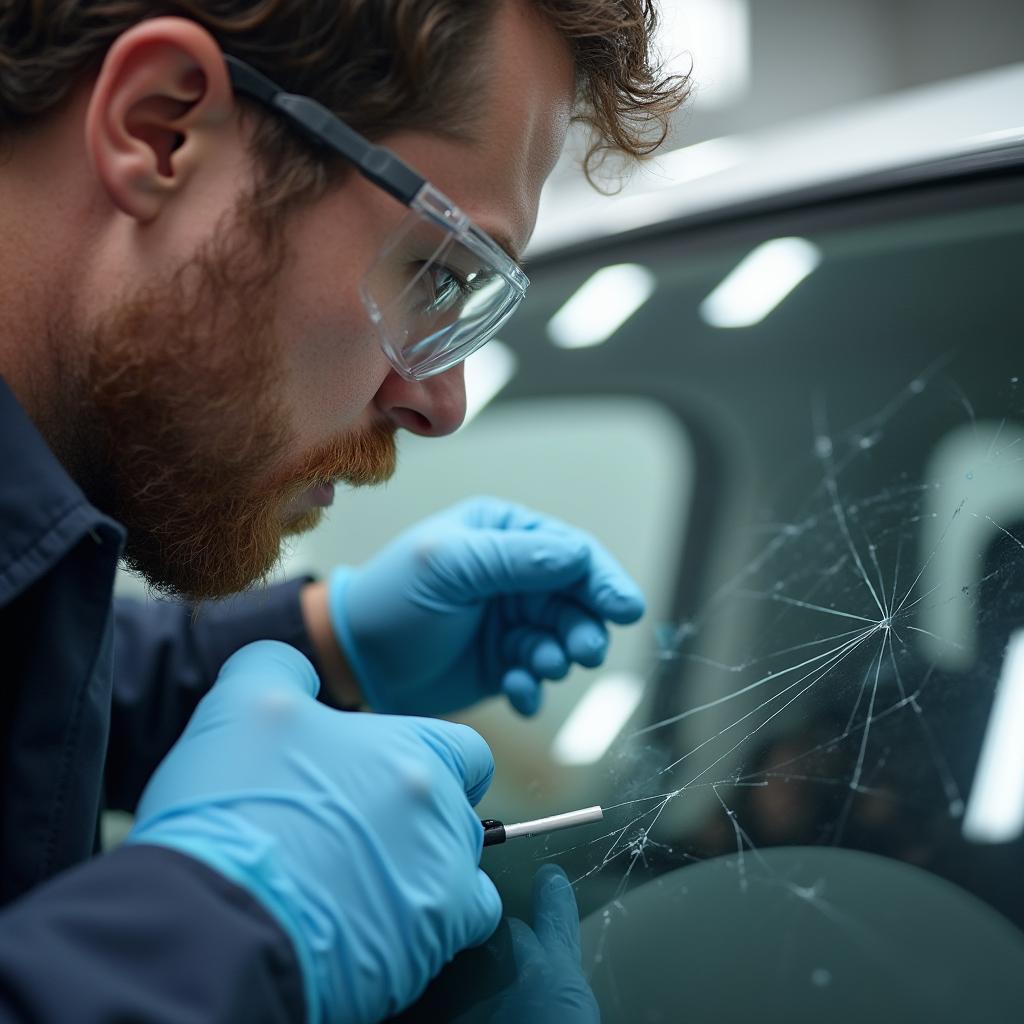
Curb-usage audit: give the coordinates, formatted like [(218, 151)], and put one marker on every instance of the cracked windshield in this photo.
[(804, 435)]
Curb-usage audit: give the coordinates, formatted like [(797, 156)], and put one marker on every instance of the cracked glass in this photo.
[(816, 809)]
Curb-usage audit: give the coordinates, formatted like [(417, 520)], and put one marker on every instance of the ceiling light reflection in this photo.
[(488, 370), (597, 719), (761, 280), (995, 811), (601, 305)]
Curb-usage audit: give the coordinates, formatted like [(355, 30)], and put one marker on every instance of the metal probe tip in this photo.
[(497, 832)]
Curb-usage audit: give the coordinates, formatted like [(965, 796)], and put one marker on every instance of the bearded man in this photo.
[(244, 243)]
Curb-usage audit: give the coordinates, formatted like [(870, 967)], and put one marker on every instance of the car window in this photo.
[(819, 809)]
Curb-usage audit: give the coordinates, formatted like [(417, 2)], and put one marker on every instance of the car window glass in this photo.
[(842, 678)]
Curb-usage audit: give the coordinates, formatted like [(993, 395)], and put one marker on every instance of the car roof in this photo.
[(916, 135)]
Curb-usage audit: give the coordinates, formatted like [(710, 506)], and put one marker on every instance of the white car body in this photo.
[(976, 116)]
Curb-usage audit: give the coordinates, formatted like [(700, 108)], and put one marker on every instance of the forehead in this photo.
[(521, 120)]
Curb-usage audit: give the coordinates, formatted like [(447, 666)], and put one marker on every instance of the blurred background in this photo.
[(757, 64)]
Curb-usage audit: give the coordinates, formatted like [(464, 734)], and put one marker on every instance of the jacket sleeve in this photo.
[(166, 656), (145, 934)]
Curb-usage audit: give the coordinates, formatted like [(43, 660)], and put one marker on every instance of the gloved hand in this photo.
[(484, 597), (549, 986), (355, 831), (520, 973)]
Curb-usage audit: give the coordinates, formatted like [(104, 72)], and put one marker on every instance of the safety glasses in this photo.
[(440, 287)]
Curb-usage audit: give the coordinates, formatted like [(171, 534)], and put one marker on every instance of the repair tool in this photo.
[(497, 831)]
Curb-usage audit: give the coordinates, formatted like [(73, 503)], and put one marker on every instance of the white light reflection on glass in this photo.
[(488, 370), (995, 811), (597, 719), (761, 280), (601, 305)]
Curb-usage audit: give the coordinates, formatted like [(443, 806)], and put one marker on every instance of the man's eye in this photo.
[(444, 288), (449, 286)]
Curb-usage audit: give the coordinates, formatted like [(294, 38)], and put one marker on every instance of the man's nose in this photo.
[(432, 407)]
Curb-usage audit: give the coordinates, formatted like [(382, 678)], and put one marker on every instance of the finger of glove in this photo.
[(584, 637), (556, 918), (522, 690), (525, 947), (488, 512), (608, 590), (268, 663), (464, 751), (538, 650), (486, 911), (473, 564)]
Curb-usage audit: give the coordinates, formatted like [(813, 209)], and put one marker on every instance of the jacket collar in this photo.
[(43, 512)]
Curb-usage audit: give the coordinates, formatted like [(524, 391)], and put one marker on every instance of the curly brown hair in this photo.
[(381, 65)]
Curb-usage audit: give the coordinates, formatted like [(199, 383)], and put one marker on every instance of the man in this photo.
[(219, 300)]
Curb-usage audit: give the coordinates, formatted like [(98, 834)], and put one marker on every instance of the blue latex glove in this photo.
[(549, 986), (484, 597), (356, 831)]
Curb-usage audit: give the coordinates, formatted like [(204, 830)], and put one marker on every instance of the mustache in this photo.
[(364, 458)]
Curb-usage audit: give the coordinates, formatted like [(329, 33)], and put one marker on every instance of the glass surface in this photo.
[(819, 812)]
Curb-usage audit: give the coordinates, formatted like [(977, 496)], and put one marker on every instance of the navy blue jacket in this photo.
[(94, 690)]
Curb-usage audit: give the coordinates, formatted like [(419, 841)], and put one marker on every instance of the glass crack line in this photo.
[(763, 681)]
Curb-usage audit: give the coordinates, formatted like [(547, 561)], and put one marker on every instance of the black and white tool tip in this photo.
[(497, 831)]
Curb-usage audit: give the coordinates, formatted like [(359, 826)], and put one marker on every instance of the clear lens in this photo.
[(439, 289)]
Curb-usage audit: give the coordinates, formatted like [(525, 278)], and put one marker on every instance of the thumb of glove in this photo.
[(478, 563), (268, 664), (556, 918)]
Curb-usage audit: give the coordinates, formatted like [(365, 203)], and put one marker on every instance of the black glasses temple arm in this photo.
[(322, 127)]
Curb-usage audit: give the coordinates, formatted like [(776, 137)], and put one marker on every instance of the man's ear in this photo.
[(159, 105)]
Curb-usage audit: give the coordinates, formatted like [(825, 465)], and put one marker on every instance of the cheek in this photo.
[(333, 367), (333, 362)]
